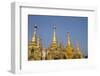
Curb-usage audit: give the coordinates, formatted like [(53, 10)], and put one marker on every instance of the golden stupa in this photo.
[(69, 48), (55, 51), (77, 52), (35, 47)]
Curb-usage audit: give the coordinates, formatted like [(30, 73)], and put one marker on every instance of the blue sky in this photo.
[(77, 26)]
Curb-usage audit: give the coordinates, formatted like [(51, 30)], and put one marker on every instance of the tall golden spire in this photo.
[(34, 34), (68, 39), (69, 48), (34, 38), (54, 39), (54, 35)]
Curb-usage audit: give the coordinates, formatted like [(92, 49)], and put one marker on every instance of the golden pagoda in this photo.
[(54, 52), (34, 47), (77, 53), (54, 39), (69, 49), (53, 47)]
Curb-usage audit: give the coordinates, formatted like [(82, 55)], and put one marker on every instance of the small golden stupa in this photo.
[(77, 52)]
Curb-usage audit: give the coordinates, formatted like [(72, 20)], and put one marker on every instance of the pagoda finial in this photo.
[(54, 39), (54, 27), (34, 33), (68, 39), (54, 34)]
